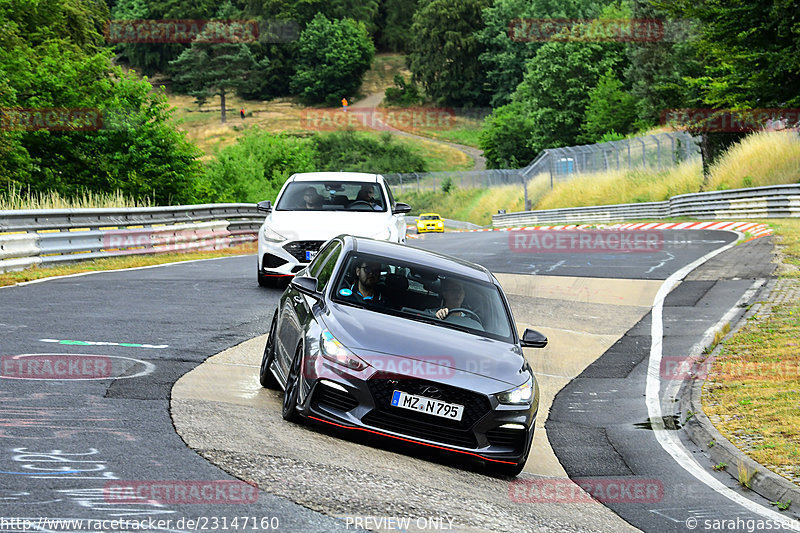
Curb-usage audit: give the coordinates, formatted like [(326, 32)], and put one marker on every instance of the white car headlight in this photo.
[(333, 350), (271, 235), (521, 395)]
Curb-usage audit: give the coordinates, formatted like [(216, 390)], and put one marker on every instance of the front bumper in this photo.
[(430, 228), (489, 431), (285, 258)]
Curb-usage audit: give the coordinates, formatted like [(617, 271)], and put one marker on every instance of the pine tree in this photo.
[(211, 68)]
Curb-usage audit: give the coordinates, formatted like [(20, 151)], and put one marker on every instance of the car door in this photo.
[(398, 220), (296, 307)]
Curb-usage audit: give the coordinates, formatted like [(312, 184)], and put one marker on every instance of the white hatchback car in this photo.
[(315, 206)]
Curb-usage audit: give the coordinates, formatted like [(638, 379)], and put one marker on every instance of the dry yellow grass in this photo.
[(620, 187), (764, 158), (19, 199)]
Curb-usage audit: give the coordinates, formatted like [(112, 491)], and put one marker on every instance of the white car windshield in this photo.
[(331, 196), (419, 293)]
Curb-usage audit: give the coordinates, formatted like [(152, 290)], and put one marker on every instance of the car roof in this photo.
[(335, 176), (429, 215), (440, 262)]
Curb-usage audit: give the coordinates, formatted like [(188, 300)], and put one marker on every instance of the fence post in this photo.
[(658, 151)]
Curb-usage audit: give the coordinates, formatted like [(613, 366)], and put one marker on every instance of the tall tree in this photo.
[(333, 56), (209, 68), (610, 109), (394, 24), (51, 58), (508, 46), (658, 70), (751, 49), (445, 50)]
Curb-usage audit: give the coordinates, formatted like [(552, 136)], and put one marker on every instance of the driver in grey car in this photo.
[(453, 298)]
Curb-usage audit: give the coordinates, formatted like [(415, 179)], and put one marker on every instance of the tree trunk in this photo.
[(222, 105)]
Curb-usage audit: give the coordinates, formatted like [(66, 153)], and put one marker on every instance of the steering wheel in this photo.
[(467, 312), (363, 202)]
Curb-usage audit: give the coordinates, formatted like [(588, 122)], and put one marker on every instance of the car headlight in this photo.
[(333, 350), (439, 224), (271, 235), (521, 395)]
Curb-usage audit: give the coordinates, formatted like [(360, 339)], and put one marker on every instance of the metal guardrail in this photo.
[(53, 236), (775, 201)]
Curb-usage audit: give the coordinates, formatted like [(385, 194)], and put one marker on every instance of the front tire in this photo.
[(292, 391), (265, 375)]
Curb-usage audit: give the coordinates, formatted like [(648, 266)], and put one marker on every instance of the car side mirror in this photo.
[(400, 207), (265, 206), (533, 339), (306, 285)]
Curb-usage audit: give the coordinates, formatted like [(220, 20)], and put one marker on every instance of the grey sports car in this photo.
[(408, 344)]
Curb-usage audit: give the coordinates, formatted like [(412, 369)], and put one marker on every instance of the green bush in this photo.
[(504, 135), (403, 94), (332, 57), (362, 152), (254, 168)]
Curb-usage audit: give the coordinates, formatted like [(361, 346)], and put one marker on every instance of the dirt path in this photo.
[(373, 101)]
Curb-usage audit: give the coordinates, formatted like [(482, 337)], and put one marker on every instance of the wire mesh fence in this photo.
[(657, 152)]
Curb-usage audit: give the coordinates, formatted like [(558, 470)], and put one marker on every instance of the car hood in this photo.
[(373, 336), (323, 225)]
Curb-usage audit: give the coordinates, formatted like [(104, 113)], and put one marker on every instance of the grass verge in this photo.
[(19, 199), (114, 263), (752, 393), (763, 158)]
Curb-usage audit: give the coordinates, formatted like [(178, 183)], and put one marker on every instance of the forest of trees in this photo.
[(569, 88)]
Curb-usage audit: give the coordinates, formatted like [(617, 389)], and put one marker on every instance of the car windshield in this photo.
[(417, 292), (429, 217), (331, 196)]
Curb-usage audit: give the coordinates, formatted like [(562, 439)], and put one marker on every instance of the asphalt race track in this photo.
[(97, 439)]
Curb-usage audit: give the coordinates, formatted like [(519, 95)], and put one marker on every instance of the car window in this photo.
[(389, 194), (326, 269), (321, 257), (331, 196), (417, 292)]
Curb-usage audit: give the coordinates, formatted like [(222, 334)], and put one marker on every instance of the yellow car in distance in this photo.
[(428, 222)]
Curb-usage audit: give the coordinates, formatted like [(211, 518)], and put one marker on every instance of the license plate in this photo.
[(431, 406), (310, 255)]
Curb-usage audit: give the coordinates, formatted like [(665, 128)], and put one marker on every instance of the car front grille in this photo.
[(422, 425), (329, 397), (298, 249)]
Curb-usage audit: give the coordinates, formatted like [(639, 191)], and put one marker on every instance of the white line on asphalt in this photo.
[(668, 441), (51, 278)]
